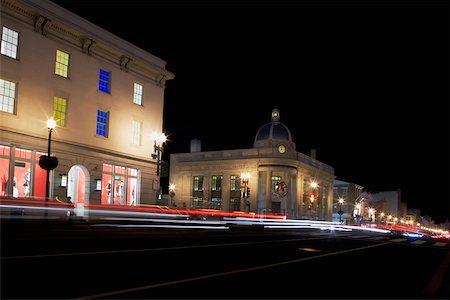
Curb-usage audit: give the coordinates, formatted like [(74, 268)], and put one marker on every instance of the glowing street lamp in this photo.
[(172, 193), (389, 217), (340, 212)]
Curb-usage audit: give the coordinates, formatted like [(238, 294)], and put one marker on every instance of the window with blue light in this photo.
[(102, 123), (104, 81)]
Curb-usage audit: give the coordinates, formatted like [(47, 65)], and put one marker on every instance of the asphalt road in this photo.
[(63, 261)]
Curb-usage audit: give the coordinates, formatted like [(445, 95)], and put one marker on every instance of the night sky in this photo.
[(365, 83)]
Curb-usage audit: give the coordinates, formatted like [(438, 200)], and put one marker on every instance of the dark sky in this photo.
[(365, 83)]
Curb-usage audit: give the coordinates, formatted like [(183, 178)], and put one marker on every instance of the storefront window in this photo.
[(21, 180), (39, 177), (120, 185), (4, 169), (132, 187)]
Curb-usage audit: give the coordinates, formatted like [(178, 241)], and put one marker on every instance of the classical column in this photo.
[(268, 191)]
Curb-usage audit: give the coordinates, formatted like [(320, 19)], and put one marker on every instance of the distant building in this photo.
[(350, 193), (412, 216), (389, 203), (271, 177), (105, 94)]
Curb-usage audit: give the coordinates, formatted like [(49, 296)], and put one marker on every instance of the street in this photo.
[(86, 261)]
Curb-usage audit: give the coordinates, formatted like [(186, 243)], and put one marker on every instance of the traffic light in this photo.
[(248, 192), (312, 198)]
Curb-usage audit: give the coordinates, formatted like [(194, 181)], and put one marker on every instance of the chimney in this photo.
[(195, 145), (313, 153)]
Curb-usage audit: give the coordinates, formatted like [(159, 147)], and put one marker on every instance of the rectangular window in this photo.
[(63, 180), (98, 184), (10, 42), (216, 183), (4, 170), (119, 185), (275, 181), (136, 133), (59, 111), (138, 89), (216, 203), (104, 81), (198, 183), (102, 123), (235, 183), (7, 96), (62, 64)]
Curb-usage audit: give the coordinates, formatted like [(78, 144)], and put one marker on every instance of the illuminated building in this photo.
[(105, 94), (281, 179), (351, 193)]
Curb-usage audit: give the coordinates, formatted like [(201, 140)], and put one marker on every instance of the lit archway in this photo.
[(78, 187)]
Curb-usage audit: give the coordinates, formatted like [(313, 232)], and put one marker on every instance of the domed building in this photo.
[(270, 178)]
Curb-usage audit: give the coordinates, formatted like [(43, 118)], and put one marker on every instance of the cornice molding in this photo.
[(58, 24)]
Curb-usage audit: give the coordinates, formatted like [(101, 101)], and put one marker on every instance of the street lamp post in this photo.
[(51, 124), (340, 212), (244, 177), (47, 162), (159, 140)]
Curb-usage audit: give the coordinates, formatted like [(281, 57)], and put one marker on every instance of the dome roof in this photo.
[(274, 130)]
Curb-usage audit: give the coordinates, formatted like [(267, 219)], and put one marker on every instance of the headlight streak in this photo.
[(34, 207), (167, 221), (143, 214), (132, 213), (163, 226)]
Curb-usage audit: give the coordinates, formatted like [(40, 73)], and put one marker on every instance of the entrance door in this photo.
[(78, 186), (276, 207)]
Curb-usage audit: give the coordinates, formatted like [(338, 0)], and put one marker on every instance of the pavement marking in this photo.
[(376, 238), (440, 244), (309, 250), (358, 236), (418, 242), (437, 280), (153, 249), (398, 240), (151, 286)]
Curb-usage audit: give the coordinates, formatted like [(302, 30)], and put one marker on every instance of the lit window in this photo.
[(10, 41), (216, 183), (98, 184), (138, 89), (62, 63), (63, 180), (104, 80), (102, 123), (59, 111), (7, 96), (136, 133), (198, 183), (234, 183)]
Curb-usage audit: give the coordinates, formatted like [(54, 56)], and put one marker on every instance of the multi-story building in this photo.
[(389, 203), (350, 193), (105, 94), (271, 177), (412, 216)]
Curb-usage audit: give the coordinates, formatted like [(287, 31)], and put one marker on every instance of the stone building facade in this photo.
[(272, 177), (105, 94)]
